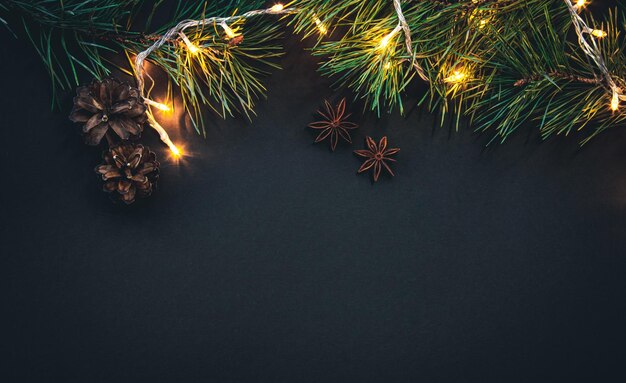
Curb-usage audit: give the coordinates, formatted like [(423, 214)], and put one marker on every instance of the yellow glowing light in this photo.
[(277, 8), (615, 101), (598, 33), (190, 46), (385, 41), (457, 77), (175, 151), (163, 107), (229, 32), (482, 23), (581, 3), (322, 28), (159, 106)]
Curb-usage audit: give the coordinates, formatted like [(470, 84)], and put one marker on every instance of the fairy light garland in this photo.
[(586, 37), (173, 34), (587, 40), (177, 32)]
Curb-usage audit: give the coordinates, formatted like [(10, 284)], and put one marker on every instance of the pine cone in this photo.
[(106, 104), (130, 170)]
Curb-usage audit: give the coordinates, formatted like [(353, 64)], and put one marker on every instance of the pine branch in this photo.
[(501, 64)]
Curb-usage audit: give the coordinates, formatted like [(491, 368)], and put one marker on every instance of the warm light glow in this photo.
[(159, 106), (598, 33), (277, 8), (457, 77), (385, 41), (175, 151), (190, 46), (581, 3), (614, 101), (482, 23), (320, 25), (229, 32)]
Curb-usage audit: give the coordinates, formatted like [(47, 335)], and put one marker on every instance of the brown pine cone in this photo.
[(106, 104), (130, 170)]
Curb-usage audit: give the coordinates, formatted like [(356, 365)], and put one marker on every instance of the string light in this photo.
[(614, 101), (177, 153), (190, 46), (384, 42), (598, 33), (158, 105), (229, 32), (171, 35), (593, 51), (457, 77), (277, 8), (581, 3), (322, 28)]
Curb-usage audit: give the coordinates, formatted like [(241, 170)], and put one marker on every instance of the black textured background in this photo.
[(264, 258)]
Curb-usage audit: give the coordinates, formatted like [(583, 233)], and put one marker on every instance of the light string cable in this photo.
[(178, 32), (404, 26), (587, 41)]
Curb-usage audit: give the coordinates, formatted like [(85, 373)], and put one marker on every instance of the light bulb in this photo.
[(581, 3), (322, 28), (598, 33), (158, 105), (457, 77), (190, 46), (229, 32), (277, 8), (175, 151), (615, 101), (385, 41)]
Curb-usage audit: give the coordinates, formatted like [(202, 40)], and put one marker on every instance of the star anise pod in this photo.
[(130, 170), (334, 124), (108, 104), (376, 155)]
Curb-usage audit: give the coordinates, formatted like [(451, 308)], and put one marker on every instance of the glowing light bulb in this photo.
[(322, 28), (277, 8), (191, 47), (229, 32), (158, 105), (598, 33), (457, 77), (615, 101), (175, 151), (581, 3), (385, 41)]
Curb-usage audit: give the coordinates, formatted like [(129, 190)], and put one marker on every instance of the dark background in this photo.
[(264, 258)]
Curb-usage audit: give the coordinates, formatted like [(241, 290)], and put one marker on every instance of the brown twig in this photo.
[(127, 37), (560, 76)]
